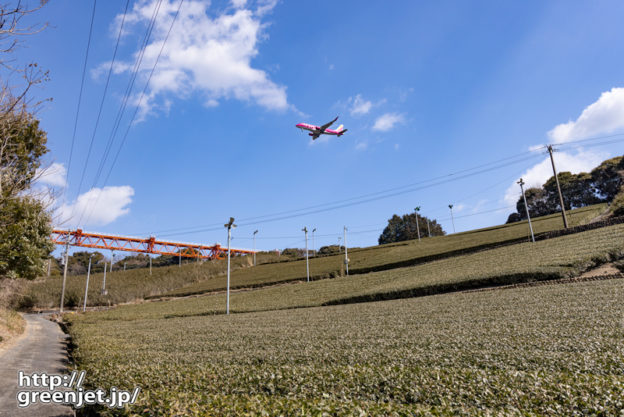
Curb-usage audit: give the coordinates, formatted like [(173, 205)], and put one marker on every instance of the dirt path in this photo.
[(42, 348)]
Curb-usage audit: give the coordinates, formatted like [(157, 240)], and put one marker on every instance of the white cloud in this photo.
[(54, 175), (100, 205), (331, 67), (458, 207), (537, 175), (606, 115), (359, 106), (210, 55), (361, 146), (387, 121)]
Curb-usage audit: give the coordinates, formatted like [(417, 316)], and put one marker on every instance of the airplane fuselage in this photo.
[(317, 130)]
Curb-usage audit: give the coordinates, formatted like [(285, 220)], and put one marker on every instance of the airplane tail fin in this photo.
[(339, 128)]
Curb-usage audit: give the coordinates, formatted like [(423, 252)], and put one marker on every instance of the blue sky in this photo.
[(426, 89)]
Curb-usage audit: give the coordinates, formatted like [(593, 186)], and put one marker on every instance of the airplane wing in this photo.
[(326, 125), (315, 135)]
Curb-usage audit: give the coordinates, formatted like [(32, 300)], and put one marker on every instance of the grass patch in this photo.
[(11, 325), (526, 351)]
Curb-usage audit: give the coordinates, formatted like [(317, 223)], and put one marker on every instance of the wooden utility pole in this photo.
[(563, 213)]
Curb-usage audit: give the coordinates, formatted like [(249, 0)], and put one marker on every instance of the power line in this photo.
[(97, 121), (442, 179), (84, 71)]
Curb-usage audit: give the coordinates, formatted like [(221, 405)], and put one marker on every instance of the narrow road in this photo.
[(42, 348)]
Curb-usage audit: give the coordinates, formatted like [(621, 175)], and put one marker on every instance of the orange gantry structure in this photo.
[(134, 244)]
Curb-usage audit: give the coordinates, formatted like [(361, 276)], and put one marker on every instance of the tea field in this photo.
[(548, 259), (546, 350)]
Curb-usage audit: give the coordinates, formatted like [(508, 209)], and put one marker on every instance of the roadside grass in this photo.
[(388, 256), (560, 257), (544, 350), (11, 325)]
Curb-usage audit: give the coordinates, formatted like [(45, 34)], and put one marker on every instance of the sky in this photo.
[(445, 102)]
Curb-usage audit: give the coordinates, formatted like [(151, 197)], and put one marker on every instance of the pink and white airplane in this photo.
[(322, 130)]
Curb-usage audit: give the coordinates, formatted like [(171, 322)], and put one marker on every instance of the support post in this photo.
[(254, 247), (428, 228), (104, 280), (65, 272), (563, 213), (229, 226), (417, 209), (346, 261), (305, 230), (150, 258), (521, 182), (452, 219), (84, 305)]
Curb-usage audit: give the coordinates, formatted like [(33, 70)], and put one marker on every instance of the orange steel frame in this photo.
[(149, 245)]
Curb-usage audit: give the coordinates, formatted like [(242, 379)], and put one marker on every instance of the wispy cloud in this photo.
[(359, 106), (387, 121), (54, 175)]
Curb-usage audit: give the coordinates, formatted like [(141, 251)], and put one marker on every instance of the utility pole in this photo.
[(417, 209), (521, 182), (563, 213), (65, 272), (452, 219), (103, 292), (428, 228), (112, 260), (254, 246), (84, 306), (305, 230), (313, 245), (229, 226), (346, 261)]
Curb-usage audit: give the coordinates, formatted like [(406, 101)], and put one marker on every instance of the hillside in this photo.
[(126, 286)]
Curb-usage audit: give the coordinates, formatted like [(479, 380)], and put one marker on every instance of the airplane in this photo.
[(322, 130)]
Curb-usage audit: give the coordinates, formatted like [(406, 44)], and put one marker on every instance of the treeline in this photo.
[(601, 185), (408, 227)]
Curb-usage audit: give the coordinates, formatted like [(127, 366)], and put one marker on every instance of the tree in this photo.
[(608, 177), (25, 243), (404, 228)]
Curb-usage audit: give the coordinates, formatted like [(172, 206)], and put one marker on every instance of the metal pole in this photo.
[(305, 229), (104, 280), (84, 306), (563, 213), (345, 245), (417, 209), (452, 219), (521, 182), (254, 246), (227, 300), (65, 272)]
